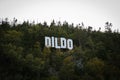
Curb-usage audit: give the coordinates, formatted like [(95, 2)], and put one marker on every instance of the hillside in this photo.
[(23, 55)]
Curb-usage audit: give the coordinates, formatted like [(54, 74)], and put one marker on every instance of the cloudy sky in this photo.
[(91, 12)]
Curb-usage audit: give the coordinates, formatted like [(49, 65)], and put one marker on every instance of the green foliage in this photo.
[(23, 56)]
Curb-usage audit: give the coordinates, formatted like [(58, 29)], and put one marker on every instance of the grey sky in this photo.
[(91, 12)]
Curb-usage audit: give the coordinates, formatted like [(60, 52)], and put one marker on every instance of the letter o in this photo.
[(70, 44)]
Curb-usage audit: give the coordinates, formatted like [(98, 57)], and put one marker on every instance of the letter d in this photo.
[(47, 42)]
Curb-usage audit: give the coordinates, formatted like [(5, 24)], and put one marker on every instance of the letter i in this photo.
[(53, 41)]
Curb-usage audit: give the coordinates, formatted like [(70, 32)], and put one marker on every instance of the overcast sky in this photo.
[(91, 12)]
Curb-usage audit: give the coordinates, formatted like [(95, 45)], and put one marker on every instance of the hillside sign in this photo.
[(59, 43)]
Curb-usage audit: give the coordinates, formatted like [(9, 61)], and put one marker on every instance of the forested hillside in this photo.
[(23, 55)]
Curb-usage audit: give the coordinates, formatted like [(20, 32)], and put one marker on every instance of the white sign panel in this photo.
[(59, 43)]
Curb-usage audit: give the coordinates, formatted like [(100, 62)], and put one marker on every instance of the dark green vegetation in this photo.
[(96, 54)]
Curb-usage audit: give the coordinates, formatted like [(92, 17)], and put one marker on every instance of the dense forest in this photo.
[(23, 55)]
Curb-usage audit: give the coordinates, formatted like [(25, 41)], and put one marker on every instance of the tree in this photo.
[(95, 68), (108, 26)]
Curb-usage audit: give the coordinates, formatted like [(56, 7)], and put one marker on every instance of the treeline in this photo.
[(23, 56)]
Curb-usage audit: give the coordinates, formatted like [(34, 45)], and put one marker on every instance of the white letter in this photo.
[(63, 43), (53, 45), (47, 42), (56, 43), (70, 44)]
